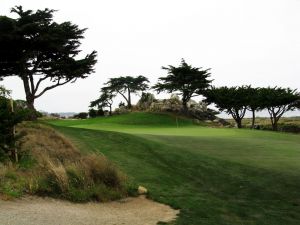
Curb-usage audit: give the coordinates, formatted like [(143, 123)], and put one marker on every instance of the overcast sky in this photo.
[(253, 42)]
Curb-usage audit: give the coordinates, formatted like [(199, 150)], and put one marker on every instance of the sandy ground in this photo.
[(47, 211)]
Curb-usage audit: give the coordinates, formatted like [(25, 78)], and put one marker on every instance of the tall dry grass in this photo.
[(57, 168)]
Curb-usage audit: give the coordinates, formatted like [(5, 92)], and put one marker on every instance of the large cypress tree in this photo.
[(278, 101), (186, 80), (37, 49), (232, 100), (126, 86)]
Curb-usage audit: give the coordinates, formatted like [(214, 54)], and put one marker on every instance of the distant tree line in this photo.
[(237, 100)]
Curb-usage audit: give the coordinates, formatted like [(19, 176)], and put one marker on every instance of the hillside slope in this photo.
[(50, 165)]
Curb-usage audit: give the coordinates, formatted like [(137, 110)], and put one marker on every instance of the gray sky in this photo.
[(253, 42)]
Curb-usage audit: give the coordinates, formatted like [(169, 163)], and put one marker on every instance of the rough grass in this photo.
[(50, 165), (215, 176), (285, 124)]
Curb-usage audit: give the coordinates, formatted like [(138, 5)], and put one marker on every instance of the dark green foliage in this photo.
[(278, 101), (188, 81), (82, 115), (37, 49), (290, 128), (93, 113), (232, 100), (10, 116), (236, 100), (126, 86)]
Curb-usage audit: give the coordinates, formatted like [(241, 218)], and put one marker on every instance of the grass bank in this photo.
[(215, 176), (50, 165)]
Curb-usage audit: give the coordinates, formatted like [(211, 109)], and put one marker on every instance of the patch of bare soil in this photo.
[(47, 211)]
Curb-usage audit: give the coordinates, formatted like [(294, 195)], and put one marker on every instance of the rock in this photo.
[(196, 121), (175, 97), (142, 190)]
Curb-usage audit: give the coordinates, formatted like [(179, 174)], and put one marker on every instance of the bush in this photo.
[(82, 115), (9, 118), (287, 124), (93, 113), (292, 128)]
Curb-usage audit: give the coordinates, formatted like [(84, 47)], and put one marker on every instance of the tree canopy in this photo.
[(125, 86), (278, 101), (105, 100), (232, 100), (4, 92), (188, 81), (37, 49)]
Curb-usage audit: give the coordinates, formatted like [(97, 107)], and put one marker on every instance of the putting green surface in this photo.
[(214, 175)]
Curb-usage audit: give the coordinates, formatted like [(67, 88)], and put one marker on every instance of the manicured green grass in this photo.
[(214, 175)]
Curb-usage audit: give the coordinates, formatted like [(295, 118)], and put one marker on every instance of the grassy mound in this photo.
[(133, 119), (50, 165)]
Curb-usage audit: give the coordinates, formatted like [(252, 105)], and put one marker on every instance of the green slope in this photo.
[(215, 176), (130, 119)]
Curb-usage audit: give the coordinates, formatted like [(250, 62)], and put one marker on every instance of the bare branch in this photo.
[(39, 82), (51, 87)]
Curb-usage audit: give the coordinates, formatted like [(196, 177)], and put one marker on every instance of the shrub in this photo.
[(10, 116), (82, 115), (292, 128)]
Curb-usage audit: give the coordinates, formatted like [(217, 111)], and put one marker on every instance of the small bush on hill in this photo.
[(10, 115), (82, 115)]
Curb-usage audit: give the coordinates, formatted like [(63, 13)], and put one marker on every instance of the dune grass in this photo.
[(214, 175)]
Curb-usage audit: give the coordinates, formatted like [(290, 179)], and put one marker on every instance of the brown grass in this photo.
[(53, 166)]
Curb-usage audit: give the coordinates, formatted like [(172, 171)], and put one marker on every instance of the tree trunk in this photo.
[(30, 105), (275, 125), (110, 111), (253, 119), (274, 119), (185, 107), (129, 100), (29, 98), (238, 122)]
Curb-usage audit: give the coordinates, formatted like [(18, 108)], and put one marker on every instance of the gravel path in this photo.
[(47, 211)]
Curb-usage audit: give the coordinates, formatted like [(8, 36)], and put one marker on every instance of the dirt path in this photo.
[(46, 211)]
